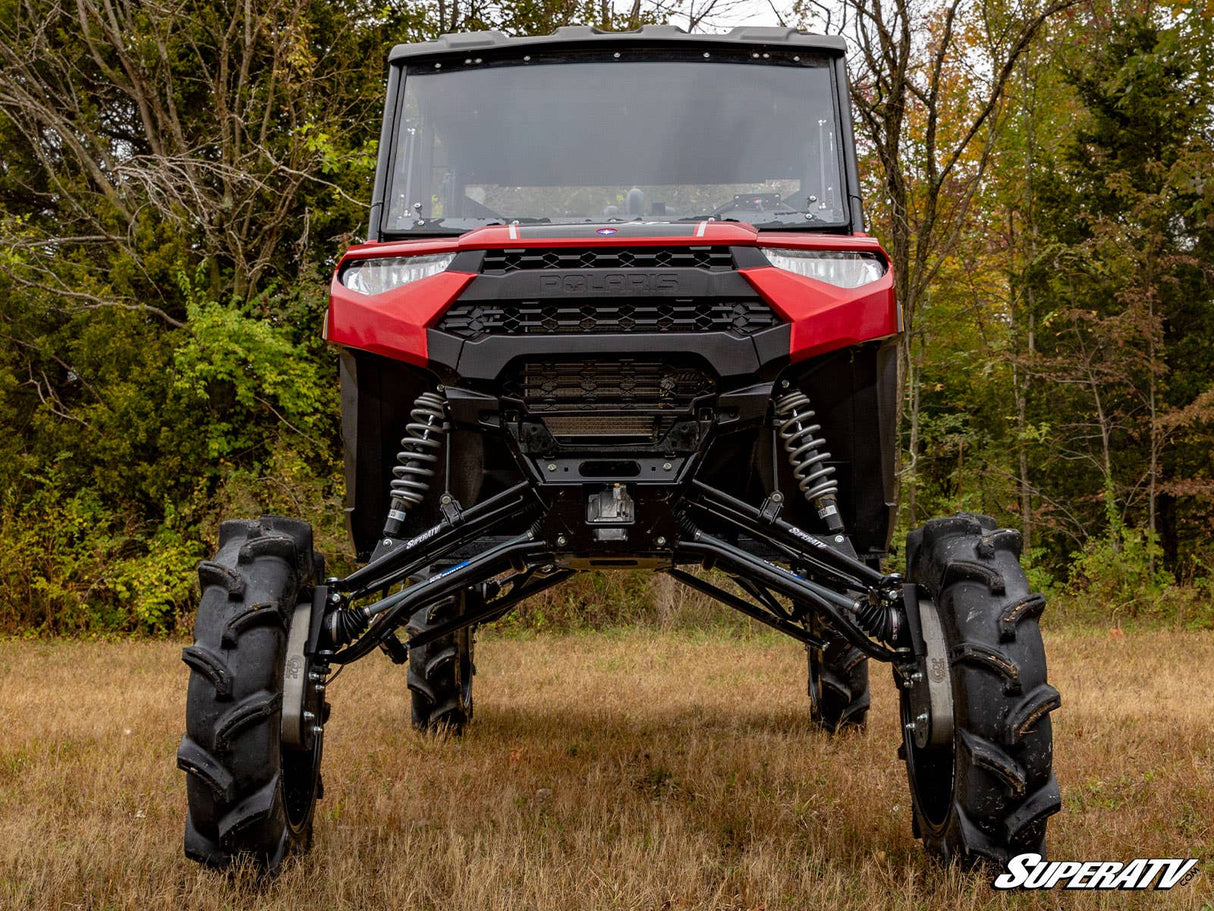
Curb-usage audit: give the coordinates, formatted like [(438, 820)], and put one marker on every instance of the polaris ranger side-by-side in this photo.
[(617, 310)]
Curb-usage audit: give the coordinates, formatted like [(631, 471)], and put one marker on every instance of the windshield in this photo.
[(602, 140)]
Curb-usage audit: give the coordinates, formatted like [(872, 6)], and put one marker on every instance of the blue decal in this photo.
[(445, 572)]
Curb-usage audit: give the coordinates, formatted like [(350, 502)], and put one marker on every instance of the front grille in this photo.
[(476, 319), (503, 262), (622, 384)]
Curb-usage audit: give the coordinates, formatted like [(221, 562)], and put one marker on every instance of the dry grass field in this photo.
[(631, 770)]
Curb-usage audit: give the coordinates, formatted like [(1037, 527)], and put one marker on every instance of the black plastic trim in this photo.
[(851, 172), (729, 356), (386, 132), (576, 37), (749, 258), (467, 261)]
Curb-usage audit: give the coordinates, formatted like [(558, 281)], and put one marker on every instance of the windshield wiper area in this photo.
[(789, 218), (769, 219), (465, 223), (707, 218)]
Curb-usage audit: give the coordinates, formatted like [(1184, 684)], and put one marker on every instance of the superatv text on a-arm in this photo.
[(617, 310)]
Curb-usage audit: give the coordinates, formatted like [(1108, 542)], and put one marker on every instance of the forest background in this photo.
[(178, 178)]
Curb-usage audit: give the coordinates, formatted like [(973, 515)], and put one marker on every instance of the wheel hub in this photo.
[(300, 720), (929, 691)]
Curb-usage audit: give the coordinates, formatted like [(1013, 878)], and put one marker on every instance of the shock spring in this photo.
[(794, 416), (419, 452)]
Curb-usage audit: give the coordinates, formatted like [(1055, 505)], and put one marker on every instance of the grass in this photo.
[(632, 769)]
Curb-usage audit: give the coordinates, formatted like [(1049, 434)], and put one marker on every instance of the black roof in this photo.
[(584, 36)]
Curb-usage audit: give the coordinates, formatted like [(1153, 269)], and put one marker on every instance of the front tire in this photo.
[(250, 794), (987, 795)]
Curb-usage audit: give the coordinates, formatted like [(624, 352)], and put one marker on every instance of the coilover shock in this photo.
[(794, 415), (419, 451)]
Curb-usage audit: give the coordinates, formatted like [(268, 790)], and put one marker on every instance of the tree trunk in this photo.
[(910, 474), (1025, 485)]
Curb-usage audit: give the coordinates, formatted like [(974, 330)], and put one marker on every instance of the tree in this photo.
[(167, 174), (1121, 281), (928, 81)]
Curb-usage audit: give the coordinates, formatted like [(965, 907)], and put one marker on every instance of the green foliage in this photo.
[(156, 588), (289, 484), (107, 513), (71, 563), (1115, 573), (66, 565), (1037, 569), (238, 367)]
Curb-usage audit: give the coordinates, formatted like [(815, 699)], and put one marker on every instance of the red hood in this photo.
[(715, 233)]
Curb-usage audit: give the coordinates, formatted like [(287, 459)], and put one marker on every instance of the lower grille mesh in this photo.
[(593, 425), (624, 384)]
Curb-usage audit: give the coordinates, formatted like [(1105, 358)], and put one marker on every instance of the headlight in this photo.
[(375, 276), (842, 268)]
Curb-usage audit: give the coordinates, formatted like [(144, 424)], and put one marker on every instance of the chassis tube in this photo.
[(430, 546), (714, 550), (489, 611), (471, 572), (784, 535), (741, 604)]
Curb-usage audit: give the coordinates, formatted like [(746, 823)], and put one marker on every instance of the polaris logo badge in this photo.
[(1029, 871), (610, 283), (607, 232)]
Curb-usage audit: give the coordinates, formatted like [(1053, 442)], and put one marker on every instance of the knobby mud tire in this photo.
[(249, 796), (838, 683), (440, 673), (987, 796)]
